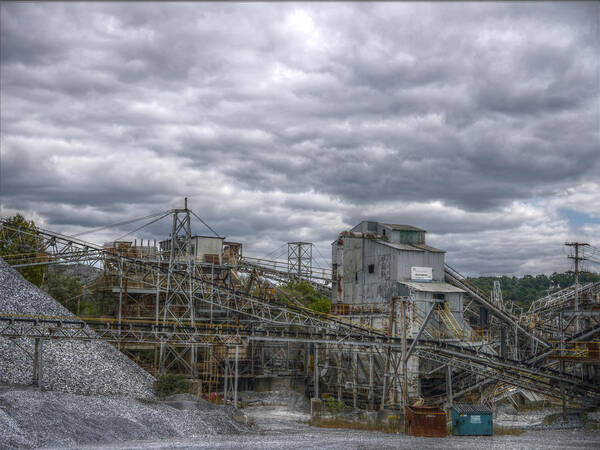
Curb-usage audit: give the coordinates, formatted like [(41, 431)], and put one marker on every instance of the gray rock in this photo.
[(79, 367)]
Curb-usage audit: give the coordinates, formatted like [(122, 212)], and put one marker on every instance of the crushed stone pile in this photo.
[(88, 368), (33, 418)]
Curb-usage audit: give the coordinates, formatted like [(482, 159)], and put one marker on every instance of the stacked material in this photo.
[(33, 418), (90, 394), (88, 368)]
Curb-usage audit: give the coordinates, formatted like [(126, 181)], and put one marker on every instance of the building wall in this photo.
[(353, 258), (408, 259), (382, 284), (207, 246), (390, 266)]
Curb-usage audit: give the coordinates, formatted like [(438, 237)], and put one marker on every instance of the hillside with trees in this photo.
[(524, 290)]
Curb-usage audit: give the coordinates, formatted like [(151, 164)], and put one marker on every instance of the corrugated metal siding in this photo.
[(380, 285), (353, 267), (408, 259)]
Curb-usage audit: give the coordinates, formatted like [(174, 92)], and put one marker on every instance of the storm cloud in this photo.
[(477, 122)]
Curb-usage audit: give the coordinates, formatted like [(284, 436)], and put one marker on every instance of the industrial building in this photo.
[(374, 263), (404, 325)]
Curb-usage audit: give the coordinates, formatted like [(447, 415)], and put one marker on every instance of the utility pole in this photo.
[(577, 246)]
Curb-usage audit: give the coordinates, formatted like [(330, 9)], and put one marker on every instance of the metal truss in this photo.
[(518, 379), (184, 287), (74, 329), (320, 278), (456, 279), (300, 259), (179, 303), (558, 300), (203, 290)]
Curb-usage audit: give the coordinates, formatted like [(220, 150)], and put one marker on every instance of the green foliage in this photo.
[(24, 247), (321, 304), (303, 292), (334, 406), (523, 291), (65, 289), (68, 291), (170, 384)]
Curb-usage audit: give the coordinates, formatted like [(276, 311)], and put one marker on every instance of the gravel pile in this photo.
[(33, 418), (87, 368)]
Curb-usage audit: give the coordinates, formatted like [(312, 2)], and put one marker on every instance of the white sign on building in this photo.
[(421, 273)]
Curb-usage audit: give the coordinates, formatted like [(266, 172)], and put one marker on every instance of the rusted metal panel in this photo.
[(428, 421)]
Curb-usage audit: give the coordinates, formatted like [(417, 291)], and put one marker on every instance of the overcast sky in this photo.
[(477, 122)]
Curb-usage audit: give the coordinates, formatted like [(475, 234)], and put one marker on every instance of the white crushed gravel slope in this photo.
[(91, 393), (87, 368), (33, 418)]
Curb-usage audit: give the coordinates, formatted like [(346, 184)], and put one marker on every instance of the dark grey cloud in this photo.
[(286, 121)]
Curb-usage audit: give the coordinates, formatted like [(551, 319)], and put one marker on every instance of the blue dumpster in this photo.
[(471, 420)]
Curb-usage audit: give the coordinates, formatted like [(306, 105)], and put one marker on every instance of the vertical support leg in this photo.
[(226, 378), (316, 370), (386, 375), (449, 387), (307, 354), (516, 355), (562, 394), (338, 358), (235, 389), (371, 392), (355, 378), (37, 362)]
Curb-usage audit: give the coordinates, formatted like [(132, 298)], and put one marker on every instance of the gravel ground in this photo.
[(89, 368), (33, 418)]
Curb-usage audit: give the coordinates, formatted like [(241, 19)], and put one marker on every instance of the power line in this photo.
[(143, 226), (268, 255), (322, 257), (126, 222), (205, 224)]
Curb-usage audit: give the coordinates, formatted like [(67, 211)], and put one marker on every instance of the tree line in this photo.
[(526, 289)]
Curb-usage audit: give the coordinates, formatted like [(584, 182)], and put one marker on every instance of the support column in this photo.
[(355, 378), (307, 358), (37, 362), (226, 378), (386, 375), (338, 358), (235, 389), (316, 370), (516, 355), (404, 358), (449, 386), (371, 392)]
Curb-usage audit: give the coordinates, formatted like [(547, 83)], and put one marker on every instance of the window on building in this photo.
[(371, 268), (439, 296), (356, 276)]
